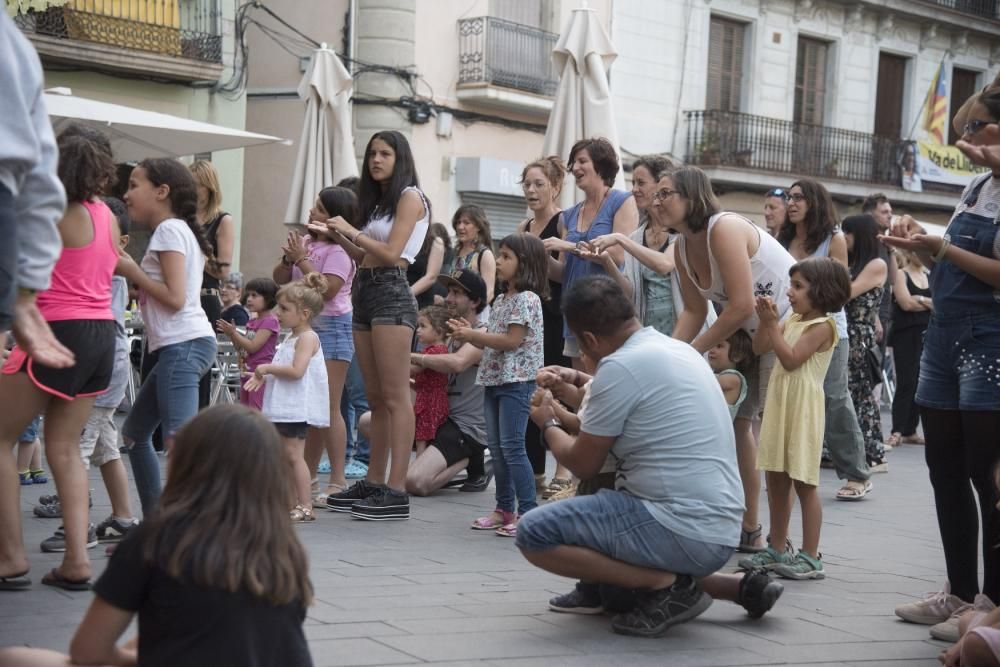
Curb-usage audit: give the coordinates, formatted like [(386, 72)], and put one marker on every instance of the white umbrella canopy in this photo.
[(582, 108), (137, 134), (326, 154)]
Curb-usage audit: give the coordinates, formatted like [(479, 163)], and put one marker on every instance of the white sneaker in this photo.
[(948, 630), (934, 608)]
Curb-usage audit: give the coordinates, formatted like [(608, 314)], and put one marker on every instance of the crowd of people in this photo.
[(663, 350)]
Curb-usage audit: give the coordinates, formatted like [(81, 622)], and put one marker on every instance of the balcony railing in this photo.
[(182, 28), (506, 54), (745, 141), (984, 8)]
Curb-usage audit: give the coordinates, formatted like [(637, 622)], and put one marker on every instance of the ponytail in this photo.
[(183, 198), (307, 293)]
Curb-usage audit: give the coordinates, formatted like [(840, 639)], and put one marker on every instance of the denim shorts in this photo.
[(618, 525), (335, 336), (960, 364), (31, 431), (381, 296)]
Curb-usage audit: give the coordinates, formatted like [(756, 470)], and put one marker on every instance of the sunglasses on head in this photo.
[(777, 192)]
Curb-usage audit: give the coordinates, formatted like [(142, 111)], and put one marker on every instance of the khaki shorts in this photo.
[(99, 443)]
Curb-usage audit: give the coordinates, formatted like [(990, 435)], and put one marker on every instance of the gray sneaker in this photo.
[(57, 543), (49, 507), (113, 530)]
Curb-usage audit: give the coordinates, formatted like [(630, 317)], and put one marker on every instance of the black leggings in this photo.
[(906, 347), (963, 447)]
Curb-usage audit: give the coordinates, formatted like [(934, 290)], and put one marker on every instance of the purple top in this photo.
[(266, 353)]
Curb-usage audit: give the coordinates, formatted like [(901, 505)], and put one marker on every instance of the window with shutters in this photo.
[(725, 64), (964, 83), (810, 81)]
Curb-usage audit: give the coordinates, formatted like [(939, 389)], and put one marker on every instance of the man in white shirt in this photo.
[(674, 517)]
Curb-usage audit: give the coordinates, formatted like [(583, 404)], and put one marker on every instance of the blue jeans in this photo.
[(506, 410), (169, 395), (353, 404), (618, 525)]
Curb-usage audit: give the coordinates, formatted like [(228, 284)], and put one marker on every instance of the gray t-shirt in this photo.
[(674, 444), (465, 398)]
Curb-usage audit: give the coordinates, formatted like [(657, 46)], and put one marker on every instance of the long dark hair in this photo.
[(865, 231), (820, 220), (373, 200), (221, 523), (437, 231), (532, 264), (183, 197)]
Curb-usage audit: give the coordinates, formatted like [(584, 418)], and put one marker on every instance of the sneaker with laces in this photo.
[(384, 505), (113, 530), (344, 501), (51, 510), (803, 566), (932, 609), (57, 543), (583, 599), (758, 592), (768, 559), (656, 611), (948, 630), (355, 470)]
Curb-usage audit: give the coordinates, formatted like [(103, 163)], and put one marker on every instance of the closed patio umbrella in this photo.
[(582, 108), (136, 134), (326, 148)]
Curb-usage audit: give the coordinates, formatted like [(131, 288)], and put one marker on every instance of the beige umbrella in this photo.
[(326, 149), (582, 107)]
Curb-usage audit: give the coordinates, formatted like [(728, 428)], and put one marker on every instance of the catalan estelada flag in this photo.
[(936, 107)]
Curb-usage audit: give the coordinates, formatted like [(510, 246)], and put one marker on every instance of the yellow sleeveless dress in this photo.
[(791, 432)]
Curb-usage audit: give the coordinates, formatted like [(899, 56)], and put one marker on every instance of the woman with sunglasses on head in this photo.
[(728, 260), (958, 390), (774, 209), (810, 229)]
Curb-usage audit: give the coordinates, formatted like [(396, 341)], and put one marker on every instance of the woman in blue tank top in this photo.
[(594, 165)]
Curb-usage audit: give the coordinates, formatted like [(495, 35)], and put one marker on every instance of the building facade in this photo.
[(759, 93)]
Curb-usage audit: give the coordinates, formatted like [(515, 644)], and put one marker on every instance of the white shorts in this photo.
[(99, 443)]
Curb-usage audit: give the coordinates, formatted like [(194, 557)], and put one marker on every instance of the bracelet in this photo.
[(939, 255), (300, 259), (27, 291), (421, 364), (356, 237), (576, 378)]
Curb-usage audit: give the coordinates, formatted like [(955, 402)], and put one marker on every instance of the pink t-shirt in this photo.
[(330, 258), (264, 355)]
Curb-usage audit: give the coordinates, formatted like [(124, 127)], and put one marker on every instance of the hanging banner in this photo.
[(944, 164)]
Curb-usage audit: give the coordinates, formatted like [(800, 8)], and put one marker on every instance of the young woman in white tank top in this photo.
[(725, 259), (395, 215)]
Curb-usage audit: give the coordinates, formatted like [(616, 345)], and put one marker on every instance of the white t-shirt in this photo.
[(163, 325), (674, 445)]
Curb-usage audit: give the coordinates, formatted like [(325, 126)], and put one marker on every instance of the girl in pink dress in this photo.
[(431, 406), (258, 345)]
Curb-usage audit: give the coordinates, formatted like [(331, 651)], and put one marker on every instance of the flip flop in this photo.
[(853, 493), (15, 582), (53, 578)]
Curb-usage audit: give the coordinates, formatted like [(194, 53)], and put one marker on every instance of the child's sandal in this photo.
[(498, 519), (510, 530), (39, 477), (301, 514)]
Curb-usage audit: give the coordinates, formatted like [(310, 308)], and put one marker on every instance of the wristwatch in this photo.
[(549, 423)]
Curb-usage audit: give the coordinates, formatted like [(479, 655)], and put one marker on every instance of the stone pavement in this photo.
[(431, 591)]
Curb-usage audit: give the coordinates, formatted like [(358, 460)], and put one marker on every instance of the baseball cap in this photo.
[(468, 281)]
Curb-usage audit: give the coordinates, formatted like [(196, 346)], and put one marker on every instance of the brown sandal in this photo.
[(301, 514)]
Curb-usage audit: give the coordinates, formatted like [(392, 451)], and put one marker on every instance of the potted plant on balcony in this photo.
[(832, 167), (708, 150), (743, 157)]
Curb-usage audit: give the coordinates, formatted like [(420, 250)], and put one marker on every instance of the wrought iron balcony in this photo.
[(744, 141), (989, 9), (502, 53), (189, 29)]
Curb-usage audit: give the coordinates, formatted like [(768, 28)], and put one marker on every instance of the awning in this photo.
[(136, 134)]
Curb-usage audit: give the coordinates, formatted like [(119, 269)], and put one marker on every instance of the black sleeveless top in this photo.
[(212, 234), (904, 319), (550, 309)]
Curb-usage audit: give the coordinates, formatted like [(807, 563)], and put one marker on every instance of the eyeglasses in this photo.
[(777, 192), (663, 194), (975, 125), (798, 198)]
